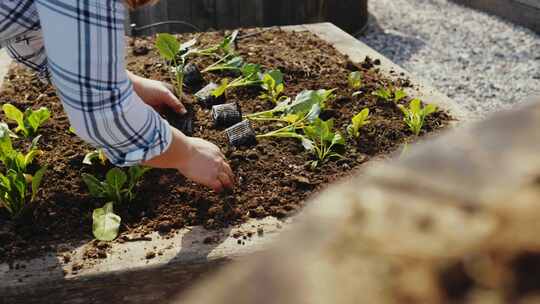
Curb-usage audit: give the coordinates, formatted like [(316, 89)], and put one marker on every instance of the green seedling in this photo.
[(415, 115), (389, 94), (250, 77), (273, 86), (96, 155), (28, 123), (399, 95), (226, 64), (322, 141), (291, 110), (13, 159), (18, 188), (355, 82), (175, 54), (105, 223), (118, 187), (358, 121), (224, 48), (383, 93)]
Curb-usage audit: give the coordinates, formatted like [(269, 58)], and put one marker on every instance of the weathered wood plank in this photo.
[(127, 275), (227, 14), (203, 13)]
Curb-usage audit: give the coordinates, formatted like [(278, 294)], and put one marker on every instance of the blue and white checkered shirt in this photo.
[(79, 44)]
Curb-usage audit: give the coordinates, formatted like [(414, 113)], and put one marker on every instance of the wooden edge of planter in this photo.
[(189, 252)]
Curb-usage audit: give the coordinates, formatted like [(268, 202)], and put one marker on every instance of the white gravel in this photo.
[(482, 62)]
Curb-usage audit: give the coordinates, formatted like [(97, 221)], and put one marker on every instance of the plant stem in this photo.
[(209, 68), (179, 79)]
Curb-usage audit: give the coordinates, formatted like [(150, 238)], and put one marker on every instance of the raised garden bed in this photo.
[(159, 245)]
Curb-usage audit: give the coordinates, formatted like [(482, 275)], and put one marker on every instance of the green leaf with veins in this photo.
[(358, 121), (168, 46), (106, 223)]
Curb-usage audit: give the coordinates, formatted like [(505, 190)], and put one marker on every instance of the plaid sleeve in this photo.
[(84, 43)]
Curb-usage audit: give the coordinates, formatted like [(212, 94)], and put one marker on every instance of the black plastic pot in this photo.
[(241, 134), (184, 123), (193, 80), (205, 97), (226, 115)]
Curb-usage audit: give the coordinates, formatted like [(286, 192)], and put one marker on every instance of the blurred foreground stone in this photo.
[(457, 220)]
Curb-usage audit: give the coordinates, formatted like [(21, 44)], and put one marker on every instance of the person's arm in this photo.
[(84, 42)]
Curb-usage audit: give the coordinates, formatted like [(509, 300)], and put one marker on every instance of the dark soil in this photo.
[(273, 178)]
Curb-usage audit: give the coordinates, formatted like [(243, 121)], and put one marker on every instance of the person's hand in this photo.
[(205, 164), (156, 94), (196, 159)]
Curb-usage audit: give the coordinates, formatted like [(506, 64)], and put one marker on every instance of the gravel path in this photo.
[(480, 61)]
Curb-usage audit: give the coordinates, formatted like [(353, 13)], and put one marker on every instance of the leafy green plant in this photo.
[(304, 124), (273, 86), (250, 77), (355, 82), (118, 187), (357, 122), (11, 158), (176, 55), (105, 223), (291, 110), (224, 48), (96, 155), (28, 122), (399, 95), (323, 140), (18, 188), (415, 115), (232, 64), (383, 93), (389, 94)]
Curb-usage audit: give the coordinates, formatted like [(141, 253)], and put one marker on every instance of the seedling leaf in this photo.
[(105, 224), (168, 46)]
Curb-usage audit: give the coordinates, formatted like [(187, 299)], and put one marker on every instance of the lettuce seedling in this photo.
[(273, 85), (96, 155), (355, 82), (415, 114), (383, 93), (250, 77), (389, 94), (105, 223), (118, 187), (176, 55), (28, 122), (399, 95), (322, 141), (233, 64), (13, 159), (358, 121), (18, 190)]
